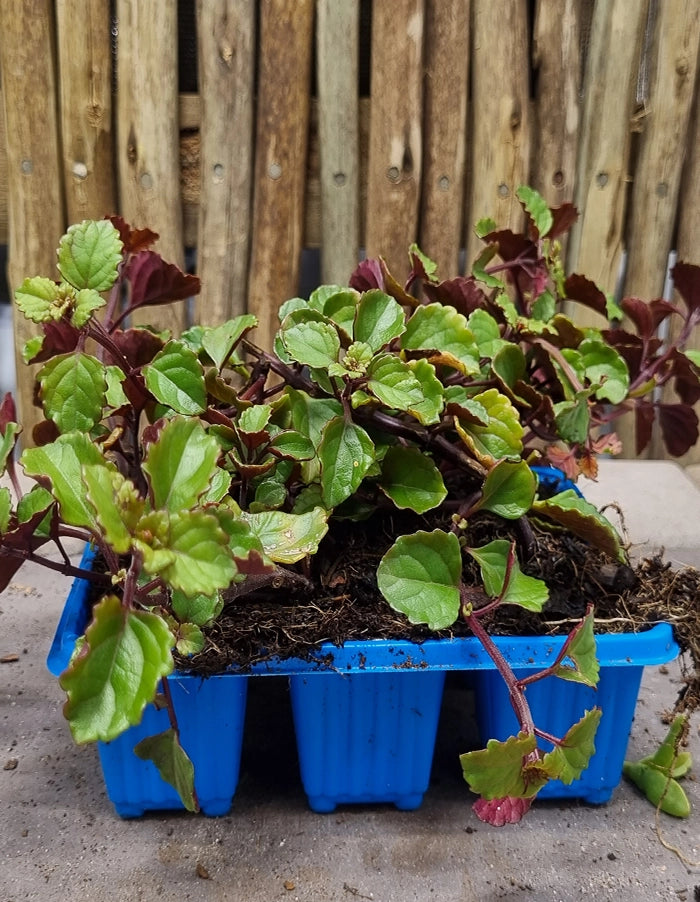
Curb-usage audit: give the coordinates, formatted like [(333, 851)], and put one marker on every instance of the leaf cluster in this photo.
[(203, 467)]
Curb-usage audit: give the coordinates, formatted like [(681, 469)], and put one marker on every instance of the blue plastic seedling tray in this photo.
[(366, 723)]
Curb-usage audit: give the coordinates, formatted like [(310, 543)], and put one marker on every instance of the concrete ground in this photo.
[(60, 840)]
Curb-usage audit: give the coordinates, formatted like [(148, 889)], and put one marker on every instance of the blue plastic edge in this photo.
[(653, 646)]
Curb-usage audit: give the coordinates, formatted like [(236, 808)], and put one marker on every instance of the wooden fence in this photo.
[(348, 125)]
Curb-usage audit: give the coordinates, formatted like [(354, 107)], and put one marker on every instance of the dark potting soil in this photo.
[(337, 598)]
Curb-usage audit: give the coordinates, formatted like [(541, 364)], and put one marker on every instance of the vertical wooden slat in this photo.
[(444, 129), (85, 72), (148, 134), (226, 48), (285, 47), (557, 60), (595, 245), (3, 176), (36, 221), (687, 242), (662, 146), (338, 35), (500, 115), (393, 184)]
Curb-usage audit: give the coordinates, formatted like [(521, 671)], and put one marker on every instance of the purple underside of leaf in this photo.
[(686, 279), (367, 275), (134, 240), (139, 346), (579, 288), (679, 427), (563, 218), (499, 812), (8, 412), (462, 293), (647, 317), (59, 338), (644, 422), (153, 281)]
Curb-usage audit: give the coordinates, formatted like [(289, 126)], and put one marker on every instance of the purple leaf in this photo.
[(59, 338), (153, 281), (499, 812), (679, 427), (579, 288), (686, 382), (563, 218), (139, 346), (367, 275), (647, 316), (686, 279), (134, 240), (462, 293), (644, 421), (8, 412)]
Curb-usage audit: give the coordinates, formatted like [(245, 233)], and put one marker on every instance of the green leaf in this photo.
[(311, 342), (198, 609), (568, 760), (309, 417), (501, 438), (581, 652), (486, 332), (509, 489), (61, 463), (36, 500), (583, 519), (573, 419), (544, 307), (693, 355), (420, 576), (659, 787), (86, 301), (190, 639), (522, 590), (393, 382), (219, 341), (117, 504), (346, 453), (442, 328), (411, 479), (176, 379), (604, 365), (8, 439), (73, 391), (321, 296), (89, 254), (485, 226), (181, 464), (288, 538), (341, 307), (378, 320), (537, 207), (429, 409), (115, 397), (509, 364), (666, 756), (39, 300), (116, 674), (189, 550), (429, 266), (255, 419), (5, 508), (292, 445), (498, 770), (165, 751), (480, 264)]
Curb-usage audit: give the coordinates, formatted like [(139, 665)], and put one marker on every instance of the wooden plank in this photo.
[(595, 245), (687, 242), (226, 53), (36, 220), (4, 214), (286, 33), (395, 142), (338, 35), (673, 63), (445, 118), (556, 58), (500, 115), (85, 67), (148, 133)]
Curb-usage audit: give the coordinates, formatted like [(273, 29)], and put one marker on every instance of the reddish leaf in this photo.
[(153, 281), (139, 346), (499, 812), (462, 293), (367, 275), (45, 432), (134, 240), (679, 427), (8, 412), (579, 288), (647, 316), (59, 338), (563, 460), (512, 245), (686, 381), (562, 219), (644, 421), (589, 464), (686, 279)]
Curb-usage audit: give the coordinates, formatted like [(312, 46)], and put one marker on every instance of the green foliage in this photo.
[(202, 464), (657, 775)]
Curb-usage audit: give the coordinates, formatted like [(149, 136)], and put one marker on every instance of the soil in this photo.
[(338, 599)]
